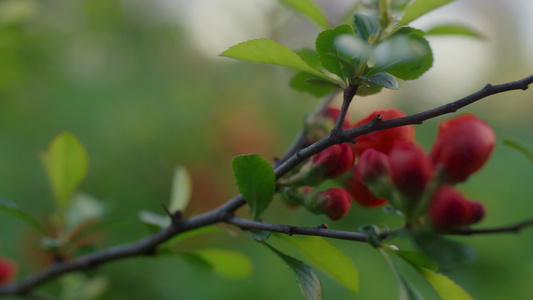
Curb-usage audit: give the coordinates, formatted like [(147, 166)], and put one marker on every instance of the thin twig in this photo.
[(508, 229)]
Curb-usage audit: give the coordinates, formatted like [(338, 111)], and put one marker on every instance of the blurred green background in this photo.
[(141, 85)]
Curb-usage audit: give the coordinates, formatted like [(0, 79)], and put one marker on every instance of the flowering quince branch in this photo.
[(224, 213)]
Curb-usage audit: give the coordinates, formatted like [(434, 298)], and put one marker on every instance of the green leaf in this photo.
[(181, 190), (325, 46), (448, 254), (66, 165), (365, 26), (308, 9), (515, 145), (269, 52), (371, 89), (454, 29), (328, 258), (300, 83), (310, 57), (305, 276), (445, 287), (405, 290), (420, 8), (11, 208), (417, 259), (409, 54), (256, 181), (83, 208), (100, 226), (383, 79), (192, 258), (227, 263)]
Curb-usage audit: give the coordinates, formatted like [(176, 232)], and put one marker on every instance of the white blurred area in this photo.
[(460, 63)]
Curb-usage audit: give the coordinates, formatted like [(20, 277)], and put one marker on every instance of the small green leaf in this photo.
[(420, 8), (371, 89), (192, 258), (448, 254), (365, 26), (308, 9), (83, 208), (66, 164), (409, 55), (328, 258), (515, 145), (325, 46), (453, 29), (300, 83), (227, 263), (256, 181), (310, 57), (417, 259), (269, 52), (405, 290), (445, 287), (156, 221), (260, 235), (305, 276), (181, 190), (383, 79), (11, 208)]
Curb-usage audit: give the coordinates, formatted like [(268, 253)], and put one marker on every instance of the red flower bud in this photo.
[(463, 145), (383, 140), (8, 270), (361, 193), (411, 169), (334, 160), (334, 202), (372, 165), (450, 209)]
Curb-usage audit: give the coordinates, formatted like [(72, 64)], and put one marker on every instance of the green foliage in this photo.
[(327, 258), (305, 276), (383, 79), (308, 9), (365, 26), (154, 221), (12, 208), (66, 165), (328, 53), (445, 287), (226, 263), (181, 190), (448, 254), (419, 8), (522, 149), (269, 52), (191, 233), (256, 181), (417, 259), (454, 30)]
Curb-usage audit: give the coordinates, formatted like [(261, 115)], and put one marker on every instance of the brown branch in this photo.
[(507, 229), (148, 245)]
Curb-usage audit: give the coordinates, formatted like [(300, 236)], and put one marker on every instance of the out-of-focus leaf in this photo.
[(325, 46), (420, 8), (448, 254), (269, 52), (445, 287), (181, 190), (80, 287), (256, 181), (371, 89), (453, 29), (66, 164), (11, 208), (185, 235), (260, 235), (227, 263), (406, 55), (310, 57), (17, 11), (83, 208), (305, 276), (515, 145), (328, 258), (308, 9), (365, 25), (300, 83), (195, 259), (417, 259), (155, 221), (101, 225), (383, 79)]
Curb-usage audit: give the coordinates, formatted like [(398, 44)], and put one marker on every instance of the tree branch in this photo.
[(148, 245), (508, 229)]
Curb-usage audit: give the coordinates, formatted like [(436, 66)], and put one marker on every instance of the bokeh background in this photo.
[(141, 84)]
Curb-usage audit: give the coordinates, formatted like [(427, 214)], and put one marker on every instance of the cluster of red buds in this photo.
[(387, 166)]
